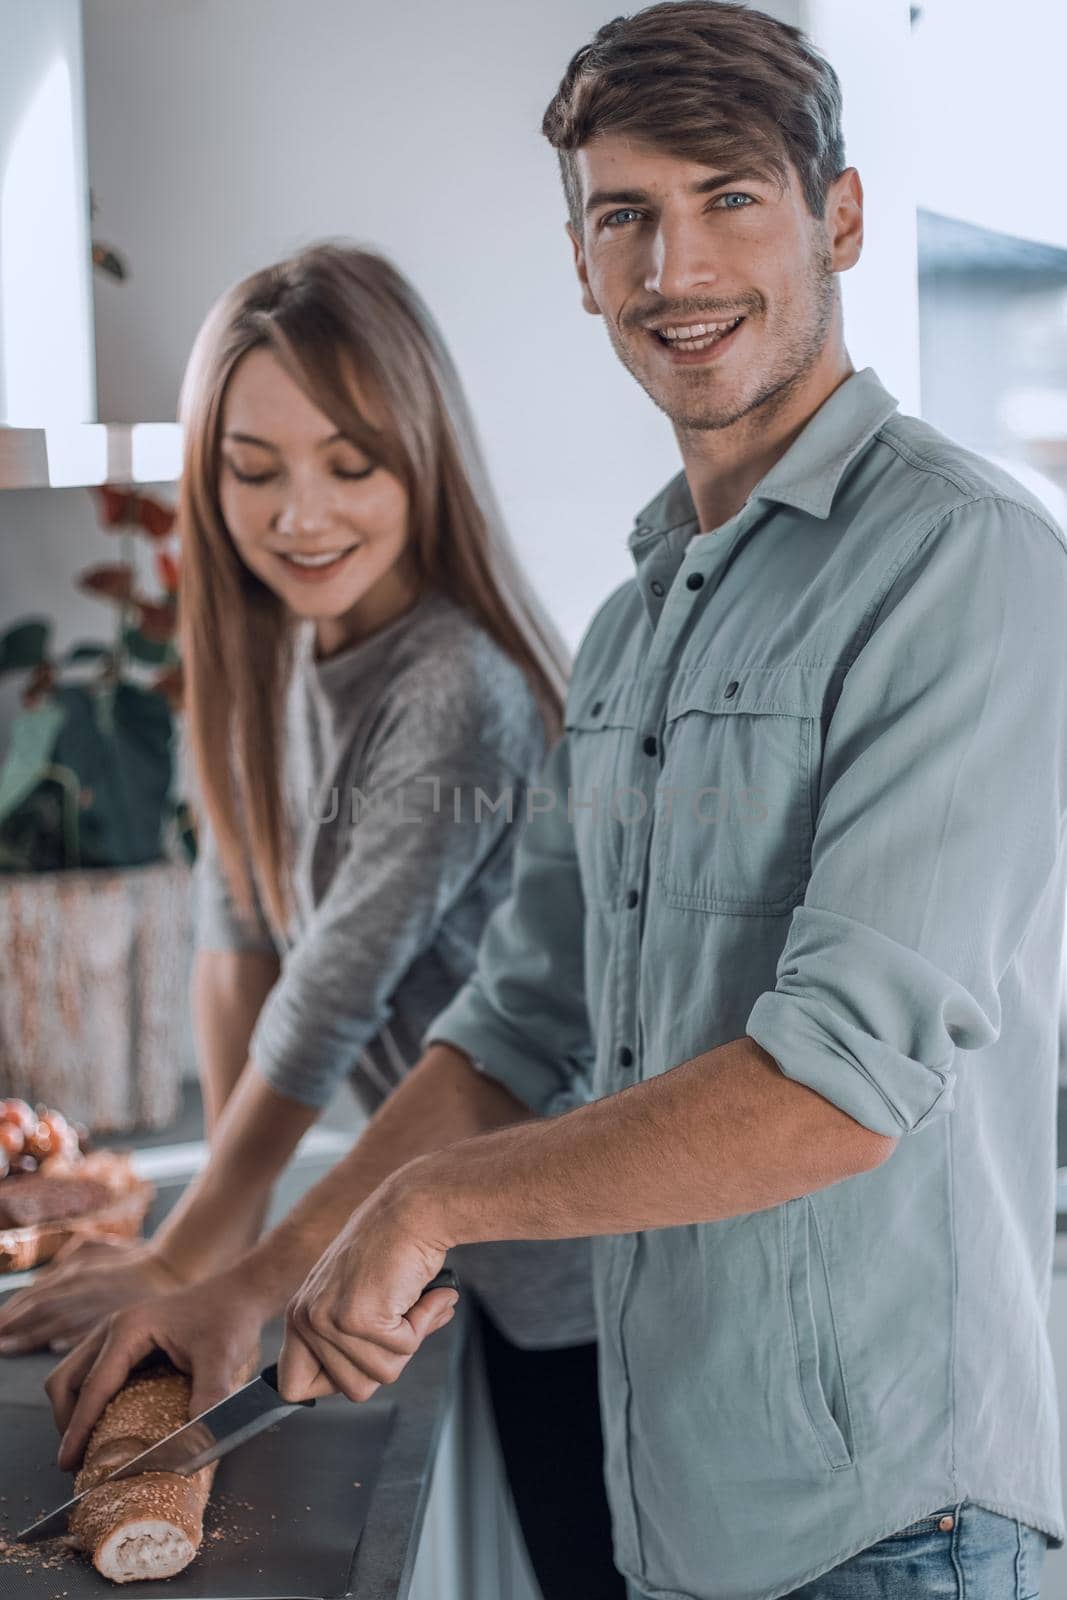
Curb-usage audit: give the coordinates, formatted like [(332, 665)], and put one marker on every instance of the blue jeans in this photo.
[(977, 1555)]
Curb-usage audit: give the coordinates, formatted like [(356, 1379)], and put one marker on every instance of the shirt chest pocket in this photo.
[(597, 733), (736, 798)]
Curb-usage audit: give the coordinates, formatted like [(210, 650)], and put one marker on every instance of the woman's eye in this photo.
[(745, 199), (249, 477), (353, 474)]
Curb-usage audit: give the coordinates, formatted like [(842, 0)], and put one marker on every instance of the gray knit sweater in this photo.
[(404, 757)]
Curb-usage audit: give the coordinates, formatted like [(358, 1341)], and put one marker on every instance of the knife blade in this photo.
[(214, 1433)]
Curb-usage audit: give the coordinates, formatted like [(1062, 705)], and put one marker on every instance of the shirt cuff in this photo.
[(548, 1088), (868, 1024)]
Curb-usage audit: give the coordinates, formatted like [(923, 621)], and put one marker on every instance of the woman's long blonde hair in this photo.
[(328, 314)]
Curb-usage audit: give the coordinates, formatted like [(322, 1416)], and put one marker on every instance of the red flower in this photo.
[(113, 582), (156, 622), (121, 508), (167, 571), (170, 685), (38, 685)]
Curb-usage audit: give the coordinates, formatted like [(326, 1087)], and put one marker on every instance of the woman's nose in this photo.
[(306, 511)]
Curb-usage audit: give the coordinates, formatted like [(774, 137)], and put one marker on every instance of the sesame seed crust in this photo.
[(149, 1526)]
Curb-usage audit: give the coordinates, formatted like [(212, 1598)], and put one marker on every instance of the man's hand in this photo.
[(210, 1331), (361, 1314), (72, 1296)]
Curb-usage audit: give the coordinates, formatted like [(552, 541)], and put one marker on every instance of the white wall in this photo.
[(989, 114), (46, 345), (870, 46), (224, 134)]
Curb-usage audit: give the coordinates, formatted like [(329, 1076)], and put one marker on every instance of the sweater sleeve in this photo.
[(434, 810), (218, 924)]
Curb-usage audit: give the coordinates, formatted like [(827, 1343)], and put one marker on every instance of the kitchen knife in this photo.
[(205, 1438)]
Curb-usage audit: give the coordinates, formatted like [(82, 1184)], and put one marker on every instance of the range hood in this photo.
[(49, 437)]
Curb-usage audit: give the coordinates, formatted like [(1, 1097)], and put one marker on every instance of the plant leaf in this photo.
[(33, 739), (25, 645), (87, 652), (143, 648)]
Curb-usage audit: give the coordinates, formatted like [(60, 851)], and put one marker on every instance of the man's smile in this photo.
[(693, 343)]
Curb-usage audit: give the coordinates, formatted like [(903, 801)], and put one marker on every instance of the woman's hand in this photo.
[(73, 1295), (361, 1314), (210, 1330)]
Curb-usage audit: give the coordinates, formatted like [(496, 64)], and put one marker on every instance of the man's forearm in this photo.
[(724, 1134), (444, 1099)]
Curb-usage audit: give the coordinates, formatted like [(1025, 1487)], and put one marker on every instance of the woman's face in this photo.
[(315, 518)]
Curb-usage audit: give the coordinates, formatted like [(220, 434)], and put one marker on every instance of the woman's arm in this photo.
[(444, 1099), (254, 1132), (220, 1215), (227, 992)]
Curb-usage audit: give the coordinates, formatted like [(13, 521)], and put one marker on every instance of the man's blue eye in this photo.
[(611, 221), (735, 194)]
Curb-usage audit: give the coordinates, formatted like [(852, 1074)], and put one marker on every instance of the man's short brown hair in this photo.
[(708, 82)]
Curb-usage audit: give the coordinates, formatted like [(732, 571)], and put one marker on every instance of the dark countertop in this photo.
[(386, 1554)]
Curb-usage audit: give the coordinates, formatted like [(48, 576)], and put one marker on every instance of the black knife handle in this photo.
[(270, 1377), (445, 1279)]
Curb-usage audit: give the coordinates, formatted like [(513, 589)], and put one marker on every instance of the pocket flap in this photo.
[(790, 691), (603, 708)]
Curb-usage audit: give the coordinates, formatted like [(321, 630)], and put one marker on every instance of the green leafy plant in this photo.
[(88, 777)]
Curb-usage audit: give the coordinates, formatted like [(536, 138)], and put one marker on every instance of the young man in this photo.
[(795, 877)]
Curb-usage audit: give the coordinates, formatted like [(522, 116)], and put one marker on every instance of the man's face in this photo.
[(717, 287)]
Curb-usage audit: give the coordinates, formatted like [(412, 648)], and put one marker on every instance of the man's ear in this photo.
[(588, 303), (844, 219)]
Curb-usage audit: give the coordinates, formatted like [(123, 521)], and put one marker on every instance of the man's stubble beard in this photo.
[(799, 352)]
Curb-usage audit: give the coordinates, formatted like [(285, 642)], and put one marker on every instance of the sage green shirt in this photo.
[(813, 790)]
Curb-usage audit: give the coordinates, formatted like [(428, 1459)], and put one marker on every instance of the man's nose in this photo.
[(683, 260)]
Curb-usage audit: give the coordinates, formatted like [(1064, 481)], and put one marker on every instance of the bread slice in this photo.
[(151, 1525)]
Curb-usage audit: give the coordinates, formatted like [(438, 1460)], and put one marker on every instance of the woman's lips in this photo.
[(319, 574)]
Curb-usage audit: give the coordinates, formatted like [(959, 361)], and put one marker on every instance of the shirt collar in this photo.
[(808, 475)]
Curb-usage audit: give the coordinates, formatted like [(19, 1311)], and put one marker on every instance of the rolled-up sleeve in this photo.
[(522, 1015), (939, 823), (412, 852)]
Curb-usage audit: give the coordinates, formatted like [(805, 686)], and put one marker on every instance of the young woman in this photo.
[(369, 691)]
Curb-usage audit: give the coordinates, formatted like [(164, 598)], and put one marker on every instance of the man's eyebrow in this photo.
[(639, 197), (265, 444)]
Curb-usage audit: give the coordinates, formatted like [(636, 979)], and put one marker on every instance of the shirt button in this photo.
[(947, 1524), (657, 588), (626, 1057), (631, 899), (650, 747), (597, 709), (695, 580), (731, 689)]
